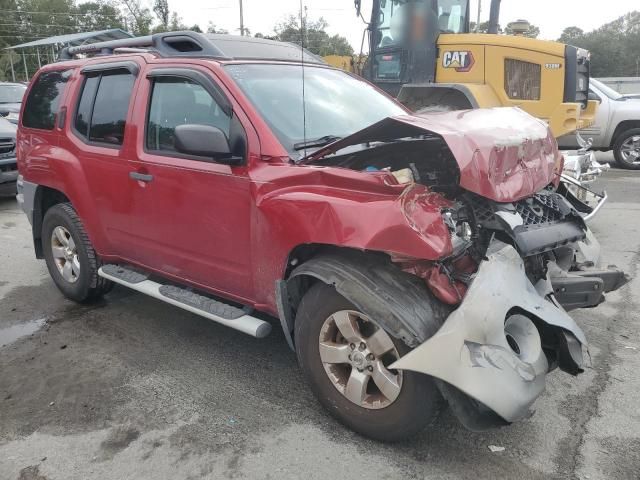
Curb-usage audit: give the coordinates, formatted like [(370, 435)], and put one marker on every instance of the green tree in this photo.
[(211, 28), (570, 35), (161, 9), (483, 28), (313, 36), (138, 17), (613, 46)]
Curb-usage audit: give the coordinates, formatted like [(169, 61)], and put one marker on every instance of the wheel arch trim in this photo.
[(397, 301)]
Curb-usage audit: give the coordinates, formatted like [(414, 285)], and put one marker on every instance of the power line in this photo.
[(32, 24), (62, 13)]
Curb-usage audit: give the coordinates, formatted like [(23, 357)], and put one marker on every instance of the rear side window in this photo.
[(102, 110), (44, 99)]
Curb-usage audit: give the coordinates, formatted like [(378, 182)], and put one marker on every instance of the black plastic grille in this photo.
[(539, 209), (482, 210), (7, 145), (11, 167)]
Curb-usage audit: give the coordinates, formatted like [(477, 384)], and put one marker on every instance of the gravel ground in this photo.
[(132, 388)]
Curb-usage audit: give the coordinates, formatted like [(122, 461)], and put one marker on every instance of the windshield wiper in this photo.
[(316, 142)]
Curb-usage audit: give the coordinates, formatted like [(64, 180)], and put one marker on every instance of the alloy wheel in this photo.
[(630, 150), (65, 254), (355, 354)]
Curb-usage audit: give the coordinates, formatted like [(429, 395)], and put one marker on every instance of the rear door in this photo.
[(194, 213), (98, 131)]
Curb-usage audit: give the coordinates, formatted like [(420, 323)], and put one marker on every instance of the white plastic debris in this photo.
[(495, 448)]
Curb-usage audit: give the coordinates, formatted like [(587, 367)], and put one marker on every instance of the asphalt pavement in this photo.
[(132, 388)]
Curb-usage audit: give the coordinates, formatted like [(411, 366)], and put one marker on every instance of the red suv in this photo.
[(410, 259)]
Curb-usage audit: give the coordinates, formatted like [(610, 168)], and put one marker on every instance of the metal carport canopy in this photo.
[(69, 40), (74, 39)]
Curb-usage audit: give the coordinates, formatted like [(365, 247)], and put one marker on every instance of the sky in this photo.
[(552, 16)]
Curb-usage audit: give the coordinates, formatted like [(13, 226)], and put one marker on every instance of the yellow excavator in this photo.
[(424, 53)]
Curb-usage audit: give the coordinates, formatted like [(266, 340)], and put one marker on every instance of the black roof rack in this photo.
[(194, 44)]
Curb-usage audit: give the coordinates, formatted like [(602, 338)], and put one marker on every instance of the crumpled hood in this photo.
[(503, 154)]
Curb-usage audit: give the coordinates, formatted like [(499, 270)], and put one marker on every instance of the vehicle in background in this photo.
[(11, 95), (424, 53), (617, 126), (409, 259), (8, 165)]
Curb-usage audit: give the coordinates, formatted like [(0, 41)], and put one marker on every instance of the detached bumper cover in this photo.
[(470, 351)]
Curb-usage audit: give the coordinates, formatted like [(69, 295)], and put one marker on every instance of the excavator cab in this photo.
[(403, 37)]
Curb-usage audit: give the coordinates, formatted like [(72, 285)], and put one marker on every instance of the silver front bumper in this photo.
[(471, 352), (581, 169)]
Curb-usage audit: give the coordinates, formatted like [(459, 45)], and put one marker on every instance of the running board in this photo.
[(206, 307)]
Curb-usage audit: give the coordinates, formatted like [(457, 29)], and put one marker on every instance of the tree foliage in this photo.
[(483, 27), (138, 17), (614, 47), (312, 34)]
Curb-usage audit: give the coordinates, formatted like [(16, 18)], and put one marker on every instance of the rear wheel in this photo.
[(346, 357), (70, 257), (626, 149)]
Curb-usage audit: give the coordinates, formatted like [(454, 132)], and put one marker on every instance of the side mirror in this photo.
[(593, 96), (204, 141)]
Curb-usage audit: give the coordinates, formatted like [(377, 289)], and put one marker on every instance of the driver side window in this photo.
[(180, 101)]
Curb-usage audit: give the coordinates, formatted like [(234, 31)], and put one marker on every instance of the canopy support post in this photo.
[(13, 72), (26, 71)]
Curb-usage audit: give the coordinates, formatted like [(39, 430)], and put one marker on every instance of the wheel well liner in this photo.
[(622, 127), (400, 302), (45, 198)]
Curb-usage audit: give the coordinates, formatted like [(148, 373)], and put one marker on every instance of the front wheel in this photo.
[(346, 356), (626, 149), (71, 259)]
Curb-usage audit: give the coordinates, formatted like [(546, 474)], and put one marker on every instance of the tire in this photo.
[(416, 406), (619, 145), (80, 281)]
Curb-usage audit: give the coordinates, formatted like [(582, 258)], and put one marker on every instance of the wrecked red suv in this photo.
[(410, 259)]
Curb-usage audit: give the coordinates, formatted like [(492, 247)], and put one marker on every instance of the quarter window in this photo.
[(179, 101), (44, 99), (102, 110)]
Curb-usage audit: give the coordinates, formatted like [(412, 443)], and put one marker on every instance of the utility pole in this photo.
[(478, 20), (241, 20)]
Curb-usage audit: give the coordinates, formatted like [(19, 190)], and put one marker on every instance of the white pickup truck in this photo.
[(617, 125)]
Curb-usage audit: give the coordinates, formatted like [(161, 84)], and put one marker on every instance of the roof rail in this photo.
[(167, 44)]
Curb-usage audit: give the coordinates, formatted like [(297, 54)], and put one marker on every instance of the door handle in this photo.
[(143, 177)]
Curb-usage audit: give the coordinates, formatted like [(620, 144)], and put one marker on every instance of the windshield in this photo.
[(392, 24), (12, 93), (608, 91), (336, 104)]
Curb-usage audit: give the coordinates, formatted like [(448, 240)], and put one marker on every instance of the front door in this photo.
[(194, 212)]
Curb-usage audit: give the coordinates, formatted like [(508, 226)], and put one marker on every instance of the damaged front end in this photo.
[(518, 259), (500, 343), (513, 275)]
